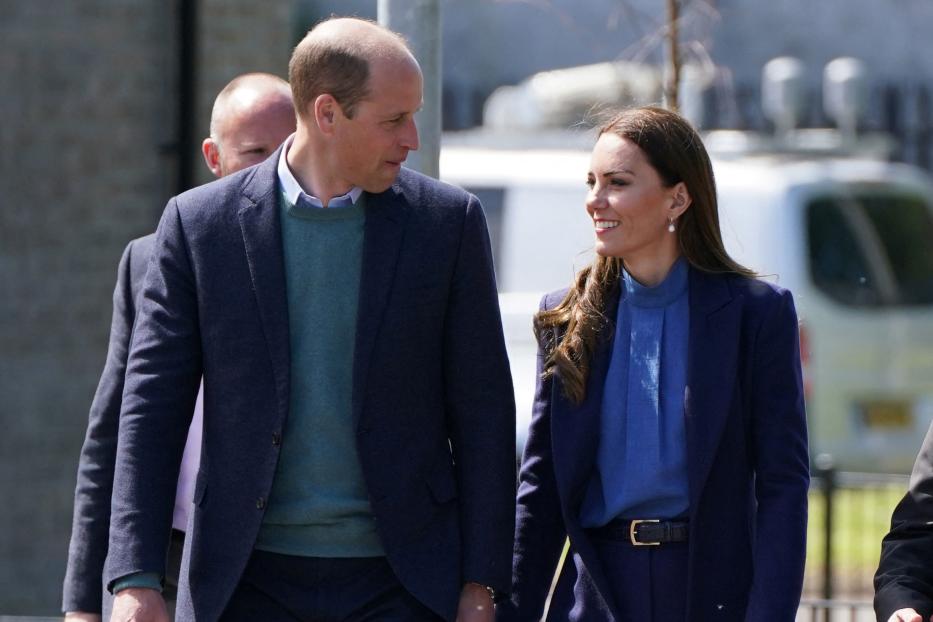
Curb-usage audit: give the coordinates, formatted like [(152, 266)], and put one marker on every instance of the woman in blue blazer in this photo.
[(668, 440)]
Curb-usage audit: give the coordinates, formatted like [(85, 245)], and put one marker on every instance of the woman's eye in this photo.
[(619, 182)]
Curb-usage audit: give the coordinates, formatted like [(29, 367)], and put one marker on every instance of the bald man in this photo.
[(251, 117), (359, 424)]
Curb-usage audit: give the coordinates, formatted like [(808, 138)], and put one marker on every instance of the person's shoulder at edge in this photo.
[(141, 246), (553, 298)]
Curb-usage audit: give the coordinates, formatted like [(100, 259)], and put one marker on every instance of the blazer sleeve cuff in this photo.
[(149, 580)]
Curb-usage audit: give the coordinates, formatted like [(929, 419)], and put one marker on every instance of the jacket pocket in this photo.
[(442, 483)]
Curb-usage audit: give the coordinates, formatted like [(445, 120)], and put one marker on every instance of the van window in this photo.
[(905, 229), (837, 264), (870, 248)]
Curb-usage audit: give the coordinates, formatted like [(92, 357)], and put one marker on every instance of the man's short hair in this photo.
[(338, 66), (255, 80)]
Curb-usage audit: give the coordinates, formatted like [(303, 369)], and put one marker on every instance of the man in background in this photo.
[(251, 117)]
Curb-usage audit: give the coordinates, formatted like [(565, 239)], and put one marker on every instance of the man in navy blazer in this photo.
[(251, 116), (425, 428)]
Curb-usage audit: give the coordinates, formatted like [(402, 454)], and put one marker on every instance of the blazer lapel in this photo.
[(260, 224), (386, 214), (712, 359)]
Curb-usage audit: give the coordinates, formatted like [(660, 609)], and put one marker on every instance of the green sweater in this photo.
[(318, 506)]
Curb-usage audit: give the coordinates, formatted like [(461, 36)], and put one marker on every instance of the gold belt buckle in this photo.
[(631, 532)]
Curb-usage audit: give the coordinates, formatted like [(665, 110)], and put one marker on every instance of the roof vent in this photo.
[(782, 93), (844, 94)]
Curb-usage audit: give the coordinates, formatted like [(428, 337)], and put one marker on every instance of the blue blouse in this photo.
[(641, 465)]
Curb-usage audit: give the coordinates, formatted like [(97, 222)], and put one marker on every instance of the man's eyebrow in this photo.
[(621, 170), (400, 113)]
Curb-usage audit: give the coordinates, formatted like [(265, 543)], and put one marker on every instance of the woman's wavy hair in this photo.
[(570, 332)]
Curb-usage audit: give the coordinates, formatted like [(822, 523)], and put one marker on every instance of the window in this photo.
[(872, 247), (905, 230), (837, 263)]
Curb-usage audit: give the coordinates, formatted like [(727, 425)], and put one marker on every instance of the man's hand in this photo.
[(139, 604), (475, 604), (81, 616), (906, 615)]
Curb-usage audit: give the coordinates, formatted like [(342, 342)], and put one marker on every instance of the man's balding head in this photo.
[(335, 58), (251, 117)]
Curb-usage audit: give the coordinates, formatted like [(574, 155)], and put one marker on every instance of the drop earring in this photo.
[(670, 225)]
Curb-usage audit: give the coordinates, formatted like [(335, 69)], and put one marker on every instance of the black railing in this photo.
[(849, 515)]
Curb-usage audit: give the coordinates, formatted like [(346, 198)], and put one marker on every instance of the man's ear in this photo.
[(681, 200), (325, 110), (211, 152)]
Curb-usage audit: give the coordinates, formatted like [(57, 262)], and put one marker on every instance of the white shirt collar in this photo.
[(293, 189)]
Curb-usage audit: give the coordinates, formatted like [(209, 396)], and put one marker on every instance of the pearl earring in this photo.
[(670, 225)]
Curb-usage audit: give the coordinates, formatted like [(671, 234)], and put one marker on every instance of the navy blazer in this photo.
[(746, 454), (432, 400), (83, 589)]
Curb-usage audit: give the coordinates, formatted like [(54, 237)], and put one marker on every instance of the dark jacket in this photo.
[(746, 454), (905, 573), (83, 589)]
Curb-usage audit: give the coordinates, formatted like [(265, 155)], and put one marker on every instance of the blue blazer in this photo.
[(746, 454), (432, 400), (83, 589)]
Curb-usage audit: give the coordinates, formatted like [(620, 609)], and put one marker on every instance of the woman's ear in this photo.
[(681, 200)]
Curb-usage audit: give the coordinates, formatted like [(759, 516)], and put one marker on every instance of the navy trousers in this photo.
[(648, 583), (285, 588)]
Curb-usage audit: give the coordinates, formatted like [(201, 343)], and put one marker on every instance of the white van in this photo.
[(852, 238)]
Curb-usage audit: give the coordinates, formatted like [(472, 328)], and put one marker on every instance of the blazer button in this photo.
[(276, 439), (260, 503)]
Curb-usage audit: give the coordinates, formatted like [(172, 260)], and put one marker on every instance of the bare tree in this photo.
[(671, 87)]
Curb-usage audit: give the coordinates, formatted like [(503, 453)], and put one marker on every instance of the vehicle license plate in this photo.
[(885, 414)]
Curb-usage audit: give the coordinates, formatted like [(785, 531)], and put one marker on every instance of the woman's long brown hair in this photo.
[(676, 152)]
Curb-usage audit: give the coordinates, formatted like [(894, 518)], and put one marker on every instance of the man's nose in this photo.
[(409, 138)]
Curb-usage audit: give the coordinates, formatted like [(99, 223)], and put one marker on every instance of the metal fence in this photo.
[(849, 515)]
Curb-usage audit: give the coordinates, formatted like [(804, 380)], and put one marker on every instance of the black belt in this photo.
[(642, 532)]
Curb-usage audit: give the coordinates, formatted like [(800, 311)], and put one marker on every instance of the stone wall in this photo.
[(87, 123)]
